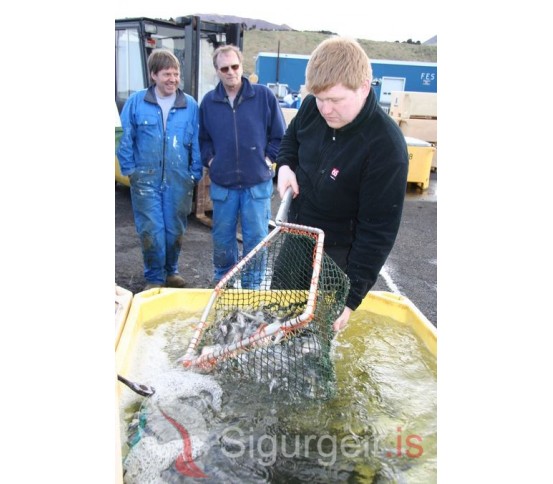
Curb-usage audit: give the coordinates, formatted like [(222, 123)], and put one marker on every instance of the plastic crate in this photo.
[(421, 155)]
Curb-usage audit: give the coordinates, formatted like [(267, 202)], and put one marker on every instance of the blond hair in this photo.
[(337, 60)]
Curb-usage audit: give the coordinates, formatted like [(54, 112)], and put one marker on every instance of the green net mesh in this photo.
[(271, 319)]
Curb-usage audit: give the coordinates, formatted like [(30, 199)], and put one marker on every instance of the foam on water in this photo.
[(156, 352), (179, 394), (148, 458), (188, 398)]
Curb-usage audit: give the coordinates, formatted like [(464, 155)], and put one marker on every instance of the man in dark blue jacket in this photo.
[(346, 161), (241, 127)]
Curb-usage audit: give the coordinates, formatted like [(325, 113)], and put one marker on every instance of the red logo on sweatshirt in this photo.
[(334, 173)]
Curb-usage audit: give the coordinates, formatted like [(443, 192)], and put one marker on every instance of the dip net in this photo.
[(270, 317)]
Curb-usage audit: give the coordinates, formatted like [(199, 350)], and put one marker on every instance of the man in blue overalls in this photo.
[(159, 151)]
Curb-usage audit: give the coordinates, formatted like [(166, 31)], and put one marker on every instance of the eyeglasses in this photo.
[(225, 69)]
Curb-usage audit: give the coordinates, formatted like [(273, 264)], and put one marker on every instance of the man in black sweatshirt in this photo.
[(346, 161)]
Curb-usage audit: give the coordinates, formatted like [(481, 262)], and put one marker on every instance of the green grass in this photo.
[(294, 42)]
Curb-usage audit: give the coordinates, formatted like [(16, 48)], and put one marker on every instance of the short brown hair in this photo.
[(337, 60), (161, 59), (223, 49)]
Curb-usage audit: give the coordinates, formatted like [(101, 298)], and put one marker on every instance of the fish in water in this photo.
[(289, 361)]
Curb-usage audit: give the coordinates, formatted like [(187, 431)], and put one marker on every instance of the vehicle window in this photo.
[(128, 65)]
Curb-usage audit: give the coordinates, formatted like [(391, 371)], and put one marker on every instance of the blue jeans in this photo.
[(252, 206), (160, 215)]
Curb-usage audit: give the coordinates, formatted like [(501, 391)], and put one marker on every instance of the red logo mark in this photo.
[(334, 173), (184, 463)]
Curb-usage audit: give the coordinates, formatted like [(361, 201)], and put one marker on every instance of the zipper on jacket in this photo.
[(236, 144), (233, 109), (237, 102)]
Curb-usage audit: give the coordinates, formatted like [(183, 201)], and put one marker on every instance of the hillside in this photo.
[(295, 42), (250, 23)]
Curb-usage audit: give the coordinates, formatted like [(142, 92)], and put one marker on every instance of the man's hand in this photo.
[(342, 321), (287, 178)]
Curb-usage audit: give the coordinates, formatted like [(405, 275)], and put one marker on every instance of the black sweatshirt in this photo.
[(352, 185)]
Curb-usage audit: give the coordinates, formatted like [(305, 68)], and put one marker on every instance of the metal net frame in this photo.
[(270, 317)]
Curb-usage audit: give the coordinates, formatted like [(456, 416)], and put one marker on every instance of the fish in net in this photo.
[(270, 317)]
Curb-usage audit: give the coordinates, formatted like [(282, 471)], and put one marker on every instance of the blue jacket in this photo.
[(239, 138), (144, 145)]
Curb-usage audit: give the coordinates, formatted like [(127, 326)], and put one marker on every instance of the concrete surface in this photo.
[(411, 268)]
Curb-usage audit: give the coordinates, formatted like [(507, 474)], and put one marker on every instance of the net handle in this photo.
[(282, 214)]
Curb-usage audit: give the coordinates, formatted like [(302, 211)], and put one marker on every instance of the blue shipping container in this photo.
[(388, 75), (391, 75), (290, 67)]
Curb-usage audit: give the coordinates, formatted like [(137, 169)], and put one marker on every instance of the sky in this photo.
[(399, 20)]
